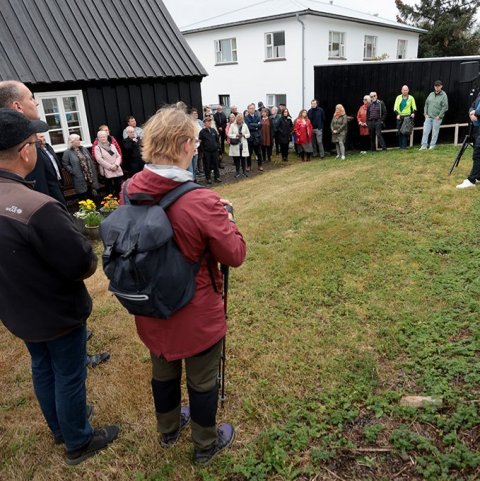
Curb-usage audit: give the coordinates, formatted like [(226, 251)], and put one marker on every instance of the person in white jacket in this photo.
[(238, 134)]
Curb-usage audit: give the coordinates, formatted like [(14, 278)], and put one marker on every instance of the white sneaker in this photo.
[(363, 152), (423, 147), (466, 184), (431, 147), (337, 157), (343, 157)]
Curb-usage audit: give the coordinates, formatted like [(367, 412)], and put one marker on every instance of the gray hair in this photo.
[(71, 139), (9, 93)]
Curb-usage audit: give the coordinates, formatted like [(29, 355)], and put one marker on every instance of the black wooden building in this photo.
[(347, 84), (94, 62)]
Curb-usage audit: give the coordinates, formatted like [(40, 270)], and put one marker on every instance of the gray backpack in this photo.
[(148, 274)]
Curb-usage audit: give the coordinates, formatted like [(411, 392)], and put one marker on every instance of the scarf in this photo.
[(85, 166), (170, 172)]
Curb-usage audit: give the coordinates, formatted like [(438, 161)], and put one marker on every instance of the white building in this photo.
[(267, 52)]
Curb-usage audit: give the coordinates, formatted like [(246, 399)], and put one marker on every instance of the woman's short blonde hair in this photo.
[(71, 139), (239, 117), (164, 134), (340, 107)]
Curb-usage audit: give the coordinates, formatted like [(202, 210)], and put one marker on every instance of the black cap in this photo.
[(15, 128), (438, 82)]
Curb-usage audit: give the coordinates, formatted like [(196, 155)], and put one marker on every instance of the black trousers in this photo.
[(475, 172), (267, 152), (240, 161), (375, 129), (258, 152), (284, 151), (210, 162)]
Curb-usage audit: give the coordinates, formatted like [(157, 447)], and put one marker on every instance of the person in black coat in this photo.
[(221, 122), (284, 133), (132, 152), (208, 137)]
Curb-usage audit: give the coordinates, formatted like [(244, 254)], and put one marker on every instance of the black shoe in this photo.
[(89, 334), (60, 440), (237, 175), (218, 180), (170, 439), (96, 359), (225, 437), (245, 174), (100, 440)]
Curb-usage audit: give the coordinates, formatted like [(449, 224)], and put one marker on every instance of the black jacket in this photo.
[(317, 117), (209, 139), (284, 132), (42, 258)]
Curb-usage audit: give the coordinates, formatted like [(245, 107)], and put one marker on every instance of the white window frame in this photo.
[(341, 44), (274, 101), (219, 50), (371, 44), (273, 51), (402, 48), (82, 113)]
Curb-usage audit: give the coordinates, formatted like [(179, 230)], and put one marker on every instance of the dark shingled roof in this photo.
[(44, 41)]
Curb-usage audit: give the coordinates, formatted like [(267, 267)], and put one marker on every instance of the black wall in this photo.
[(111, 102), (347, 84)]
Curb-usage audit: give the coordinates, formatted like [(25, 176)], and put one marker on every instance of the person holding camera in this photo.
[(109, 161), (203, 230), (238, 135), (474, 177)]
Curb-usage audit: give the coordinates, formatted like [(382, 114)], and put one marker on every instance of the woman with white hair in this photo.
[(109, 160), (77, 161)]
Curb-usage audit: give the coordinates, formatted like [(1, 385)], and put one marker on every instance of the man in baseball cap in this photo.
[(43, 299)]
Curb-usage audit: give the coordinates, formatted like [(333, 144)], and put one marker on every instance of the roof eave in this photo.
[(303, 13)]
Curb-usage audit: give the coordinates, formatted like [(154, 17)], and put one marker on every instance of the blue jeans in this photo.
[(59, 374), (429, 125)]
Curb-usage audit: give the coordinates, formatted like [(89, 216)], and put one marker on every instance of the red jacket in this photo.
[(303, 132), (199, 222)]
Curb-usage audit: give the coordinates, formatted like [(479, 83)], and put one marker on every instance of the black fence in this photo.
[(347, 84)]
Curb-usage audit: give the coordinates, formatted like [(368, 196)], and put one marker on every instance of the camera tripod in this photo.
[(468, 140)]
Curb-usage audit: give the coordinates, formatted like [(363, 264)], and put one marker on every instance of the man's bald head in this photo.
[(15, 95)]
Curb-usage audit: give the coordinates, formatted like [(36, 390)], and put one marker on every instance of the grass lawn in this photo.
[(360, 286)]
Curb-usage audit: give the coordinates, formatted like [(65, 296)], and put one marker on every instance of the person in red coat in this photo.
[(303, 130), (203, 229), (363, 126)]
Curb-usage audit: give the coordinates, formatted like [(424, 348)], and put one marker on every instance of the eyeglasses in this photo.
[(372, 95), (25, 144)]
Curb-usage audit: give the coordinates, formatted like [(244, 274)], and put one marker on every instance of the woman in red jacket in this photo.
[(302, 128), (362, 125), (202, 229)]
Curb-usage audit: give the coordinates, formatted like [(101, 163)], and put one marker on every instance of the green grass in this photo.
[(360, 286)]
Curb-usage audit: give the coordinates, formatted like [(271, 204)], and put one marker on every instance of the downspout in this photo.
[(297, 16)]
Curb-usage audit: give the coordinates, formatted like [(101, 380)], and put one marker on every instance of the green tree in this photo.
[(451, 26)]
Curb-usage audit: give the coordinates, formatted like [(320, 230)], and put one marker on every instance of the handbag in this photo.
[(234, 141), (407, 126)]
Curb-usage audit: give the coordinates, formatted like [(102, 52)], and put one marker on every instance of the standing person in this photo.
[(133, 154), (317, 117), (435, 108), (110, 163), (132, 122), (363, 125), (339, 130), (111, 138), (267, 136), (474, 177), (285, 129), (203, 230), (303, 131), (43, 147), (79, 164), (208, 137), (17, 96), (376, 116), (239, 133), (254, 124), (197, 161), (54, 260), (234, 110), (405, 107), (221, 122), (275, 118)]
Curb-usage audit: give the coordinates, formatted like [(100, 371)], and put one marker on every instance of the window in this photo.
[(370, 47), (226, 50), (274, 100), (402, 49), (65, 114), (336, 45), (224, 100), (274, 45)]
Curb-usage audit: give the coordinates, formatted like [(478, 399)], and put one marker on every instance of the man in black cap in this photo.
[(435, 108), (15, 95), (43, 299)]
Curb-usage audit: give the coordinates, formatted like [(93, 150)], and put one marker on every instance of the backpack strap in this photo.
[(177, 192)]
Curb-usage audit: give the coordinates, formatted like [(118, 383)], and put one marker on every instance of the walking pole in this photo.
[(223, 357)]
